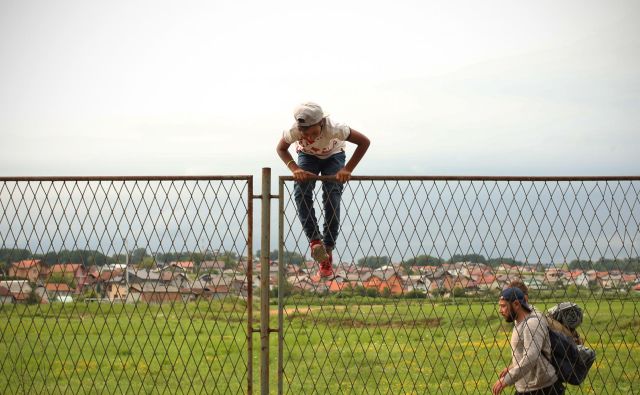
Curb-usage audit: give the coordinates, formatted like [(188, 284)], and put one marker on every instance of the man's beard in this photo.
[(511, 317)]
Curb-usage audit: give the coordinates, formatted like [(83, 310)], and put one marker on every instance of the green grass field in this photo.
[(332, 346)]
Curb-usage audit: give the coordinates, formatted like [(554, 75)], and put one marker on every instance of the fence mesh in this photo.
[(124, 285), (138, 285), (419, 264)]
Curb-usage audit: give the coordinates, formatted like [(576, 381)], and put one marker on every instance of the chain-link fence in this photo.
[(419, 264), (146, 285), (125, 285)]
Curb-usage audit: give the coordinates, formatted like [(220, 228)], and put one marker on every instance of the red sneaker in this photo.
[(318, 252), (326, 267)]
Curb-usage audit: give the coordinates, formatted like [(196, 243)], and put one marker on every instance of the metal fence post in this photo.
[(281, 282), (264, 280), (249, 276)]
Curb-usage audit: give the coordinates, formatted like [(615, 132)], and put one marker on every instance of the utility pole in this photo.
[(126, 269), (126, 274)]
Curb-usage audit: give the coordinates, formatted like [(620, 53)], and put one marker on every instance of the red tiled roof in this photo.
[(27, 263), (167, 276), (57, 287), (486, 279), (108, 275), (68, 268), (21, 296), (183, 264), (335, 286)]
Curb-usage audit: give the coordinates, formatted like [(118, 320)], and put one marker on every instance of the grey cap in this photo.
[(307, 114)]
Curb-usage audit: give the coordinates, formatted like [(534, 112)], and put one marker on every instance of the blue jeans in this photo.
[(331, 196), (556, 389)]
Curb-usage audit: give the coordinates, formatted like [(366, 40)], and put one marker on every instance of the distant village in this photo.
[(30, 281)]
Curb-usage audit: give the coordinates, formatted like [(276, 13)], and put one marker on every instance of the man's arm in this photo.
[(362, 145), (498, 386), (283, 152), (533, 334)]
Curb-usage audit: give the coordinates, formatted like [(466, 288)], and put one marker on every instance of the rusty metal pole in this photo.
[(249, 272), (281, 282), (264, 280)]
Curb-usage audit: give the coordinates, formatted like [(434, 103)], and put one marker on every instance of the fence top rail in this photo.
[(130, 178), (476, 178), (324, 178)]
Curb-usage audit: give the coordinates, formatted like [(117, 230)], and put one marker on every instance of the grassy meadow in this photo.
[(362, 346)]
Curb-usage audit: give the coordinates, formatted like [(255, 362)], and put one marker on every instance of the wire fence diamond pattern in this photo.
[(145, 285), (124, 285), (419, 265)]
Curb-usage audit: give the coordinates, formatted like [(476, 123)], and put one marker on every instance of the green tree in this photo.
[(475, 258), (196, 258), (495, 262), (85, 257), (10, 255), (572, 291), (147, 263), (138, 255), (287, 290), (628, 265), (415, 294), (230, 259), (424, 260), (372, 292), (88, 294), (374, 262), (290, 257), (62, 278), (33, 297), (360, 290), (166, 257)]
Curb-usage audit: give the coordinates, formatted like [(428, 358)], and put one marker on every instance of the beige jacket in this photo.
[(529, 369)]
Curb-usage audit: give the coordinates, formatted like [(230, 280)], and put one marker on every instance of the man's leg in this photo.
[(558, 388), (303, 195), (555, 389), (331, 197)]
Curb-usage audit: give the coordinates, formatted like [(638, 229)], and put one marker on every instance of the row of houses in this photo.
[(176, 282), (34, 270), (442, 280), (66, 282)]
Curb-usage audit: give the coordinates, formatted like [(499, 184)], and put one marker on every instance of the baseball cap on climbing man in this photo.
[(307, 114)]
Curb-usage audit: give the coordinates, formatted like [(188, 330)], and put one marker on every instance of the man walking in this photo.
[(530, 370)]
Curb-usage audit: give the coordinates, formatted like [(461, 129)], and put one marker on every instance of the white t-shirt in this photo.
[(331, 139)]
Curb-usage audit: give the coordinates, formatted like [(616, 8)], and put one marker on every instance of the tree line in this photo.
[(375, 262), (137, 256), (628, 265)]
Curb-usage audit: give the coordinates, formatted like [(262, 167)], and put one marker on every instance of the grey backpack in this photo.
[(572, 361)]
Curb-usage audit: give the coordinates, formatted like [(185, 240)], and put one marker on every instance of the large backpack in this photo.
[(572, 362)]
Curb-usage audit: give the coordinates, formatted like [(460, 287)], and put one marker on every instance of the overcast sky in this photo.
[(206, 87)]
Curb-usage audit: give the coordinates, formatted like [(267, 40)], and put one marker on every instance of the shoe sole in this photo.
[(330, 275), (319, 253)]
